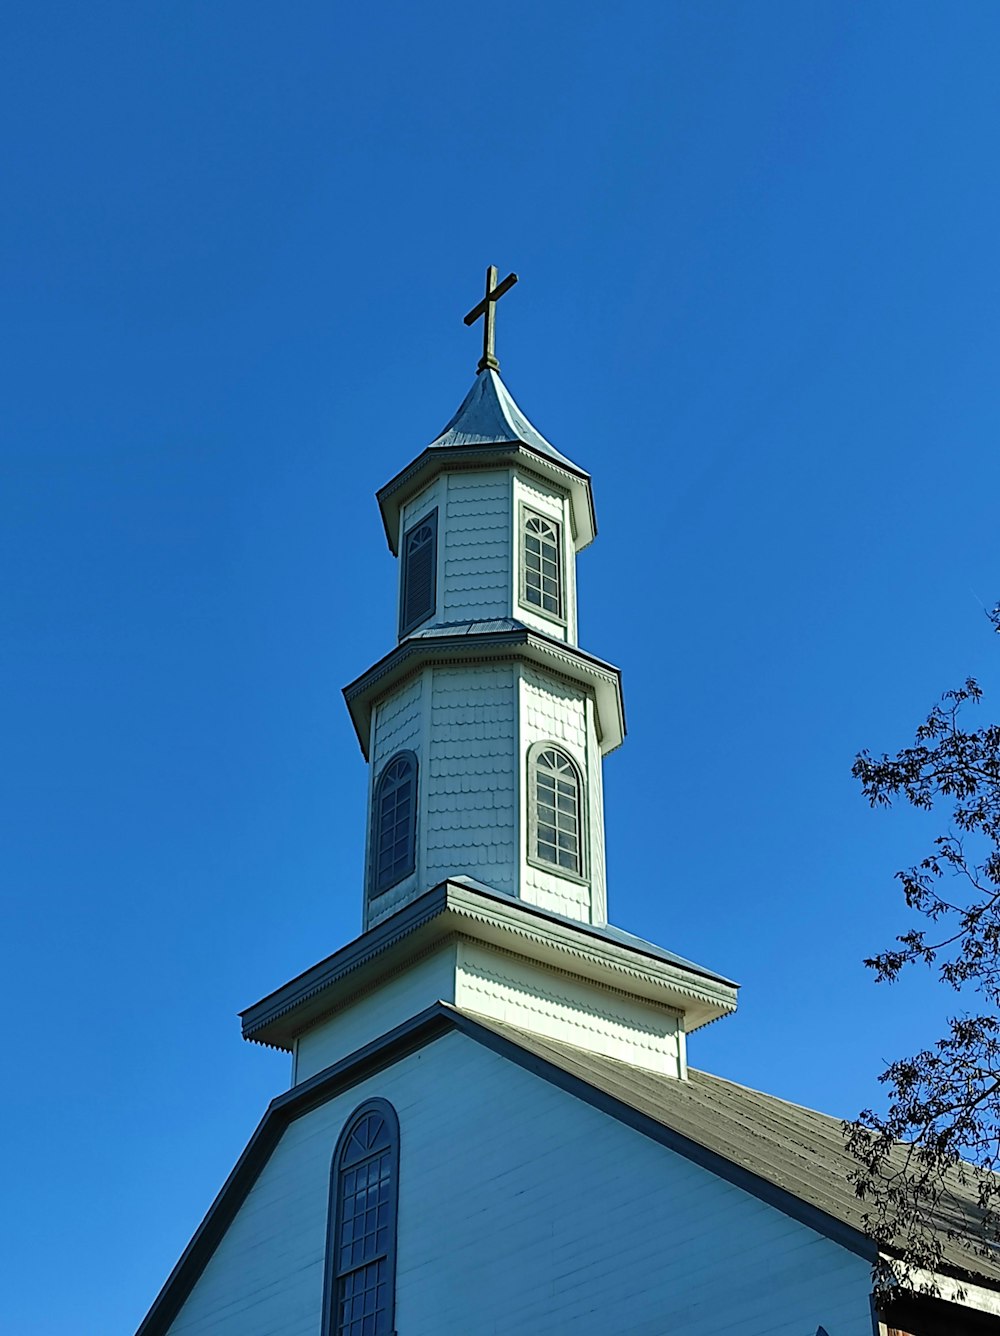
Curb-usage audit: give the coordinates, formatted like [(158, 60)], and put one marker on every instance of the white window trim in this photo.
[(526, 512), (581, 878)]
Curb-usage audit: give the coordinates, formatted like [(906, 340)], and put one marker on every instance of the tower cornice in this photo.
[(604, 955), (438, 459), (473, 643)]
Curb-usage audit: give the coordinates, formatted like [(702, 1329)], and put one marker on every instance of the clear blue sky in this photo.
[(759, 300)]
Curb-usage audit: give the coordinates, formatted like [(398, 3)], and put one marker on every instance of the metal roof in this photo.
[(488, 415), (438, 629), (489, 430)]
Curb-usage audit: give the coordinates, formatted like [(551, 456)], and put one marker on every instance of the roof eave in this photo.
[(603, 679), (454, 909), (435, 459)]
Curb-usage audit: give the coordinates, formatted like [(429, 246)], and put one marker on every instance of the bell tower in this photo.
[(485, 727)]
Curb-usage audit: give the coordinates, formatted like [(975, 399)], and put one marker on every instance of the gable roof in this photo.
[(789, 1156)]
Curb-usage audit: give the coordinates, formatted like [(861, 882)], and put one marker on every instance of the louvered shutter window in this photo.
[(395, 822), (419, 573), (363, 1204)]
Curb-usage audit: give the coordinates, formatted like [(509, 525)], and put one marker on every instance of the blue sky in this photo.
[(758, 300)]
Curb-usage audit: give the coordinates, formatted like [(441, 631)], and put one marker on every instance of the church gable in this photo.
[(505, 1174)]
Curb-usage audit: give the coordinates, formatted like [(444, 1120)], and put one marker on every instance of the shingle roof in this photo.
[(488, 415), (795, 1149)]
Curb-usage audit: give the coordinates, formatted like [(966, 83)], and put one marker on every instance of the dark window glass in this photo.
[(419, 573), (394, 833), (361, 1264), (542, 566), (557, 811)]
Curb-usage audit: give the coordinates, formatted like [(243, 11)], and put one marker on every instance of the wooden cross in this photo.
[(487, 309)]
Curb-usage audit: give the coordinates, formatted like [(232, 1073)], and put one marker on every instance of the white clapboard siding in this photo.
[(524, 1210), (470, 799), (372, 1013), (558, 1005), (476, 576)]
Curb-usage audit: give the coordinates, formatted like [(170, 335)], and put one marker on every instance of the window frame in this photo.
[(332, 1273), (582, 878), (377, 889), (526, 512), (405, 627)]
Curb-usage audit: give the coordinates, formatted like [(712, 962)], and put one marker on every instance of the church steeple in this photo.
[(486, 727)]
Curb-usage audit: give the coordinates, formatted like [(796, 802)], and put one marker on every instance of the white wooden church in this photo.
[(492, 1128)]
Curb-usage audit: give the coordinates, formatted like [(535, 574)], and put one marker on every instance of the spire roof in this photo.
[(489, 421), (488, 415)]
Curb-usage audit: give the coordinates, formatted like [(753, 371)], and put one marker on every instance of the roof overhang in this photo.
[(449, 459), (601, 679), (456, 910)]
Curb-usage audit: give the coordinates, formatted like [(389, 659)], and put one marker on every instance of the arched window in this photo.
[(419, 596), (541, 563), (394, 824), (361, 1246), (556, 829)]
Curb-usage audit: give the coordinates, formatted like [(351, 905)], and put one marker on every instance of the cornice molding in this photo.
[(574, 666), (452, 910), (434, 460)]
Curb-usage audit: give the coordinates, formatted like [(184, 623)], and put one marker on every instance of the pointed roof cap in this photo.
[(489, 422), (488, 415)]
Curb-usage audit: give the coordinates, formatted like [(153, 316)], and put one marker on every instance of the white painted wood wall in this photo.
[(506, 987), (524, 1210)]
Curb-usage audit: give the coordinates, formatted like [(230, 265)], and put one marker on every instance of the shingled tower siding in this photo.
[(487, 667)]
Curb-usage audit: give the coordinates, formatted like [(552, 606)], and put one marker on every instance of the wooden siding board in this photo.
[(476, 555), (377, 1011), (471, 828)]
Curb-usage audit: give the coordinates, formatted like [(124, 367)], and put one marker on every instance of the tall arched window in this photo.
[(361, 1247), (541, 563), (394, 823), (556, 831)]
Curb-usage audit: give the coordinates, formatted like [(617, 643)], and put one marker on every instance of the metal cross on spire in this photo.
[(487, 309)]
